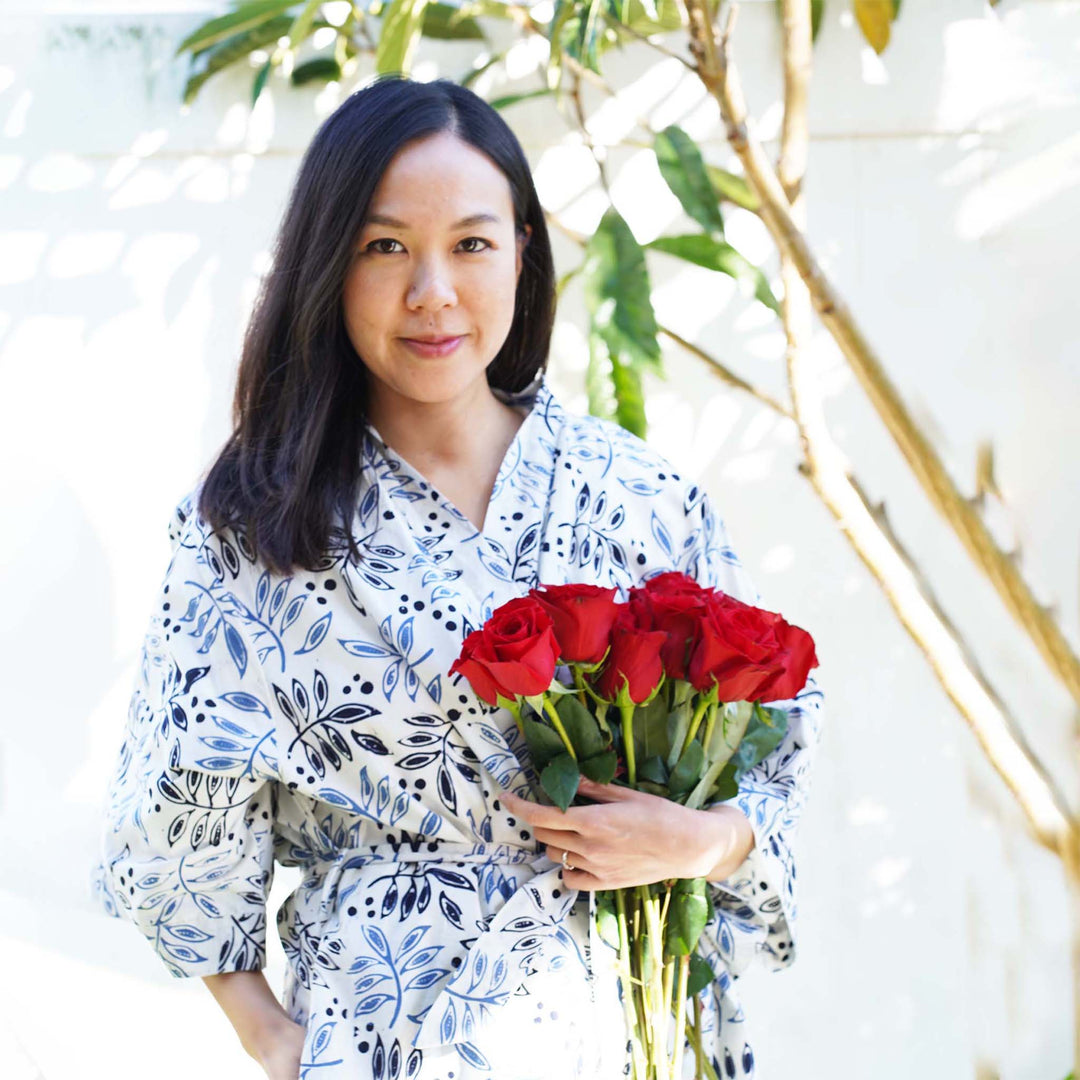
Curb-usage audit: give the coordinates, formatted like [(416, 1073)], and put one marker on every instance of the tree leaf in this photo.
[(513, 99), (618, 294), (664, 15), (398, 36), (247, 16), (654, 769), (446, 22), (681, 165), (236, 48), (259, 84), (317, 69), (301, 26), (734, 188), (875, 21), (560, 780), (721, 256), (629, 397)]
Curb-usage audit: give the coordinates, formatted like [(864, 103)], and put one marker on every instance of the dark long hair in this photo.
[(290, 470)]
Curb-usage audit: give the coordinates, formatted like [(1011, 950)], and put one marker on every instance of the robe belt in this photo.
[(525, 936)]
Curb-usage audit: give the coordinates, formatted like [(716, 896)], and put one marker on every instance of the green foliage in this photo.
[(681, 165), (688, 912), (318, 69), (721, 256), (764, 733), (247, 16), (445, 22), (560, 779), (401, 25), (232, 49)]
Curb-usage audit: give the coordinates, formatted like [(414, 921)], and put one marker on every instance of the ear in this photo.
[(522, 240)]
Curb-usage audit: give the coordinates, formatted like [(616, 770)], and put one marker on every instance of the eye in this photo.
[(381, 240), (478, 239)]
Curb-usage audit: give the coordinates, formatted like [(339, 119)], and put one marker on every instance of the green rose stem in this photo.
[(553, 716), (658, 1006), (514, 705), (629, 995), (705, 1071), (626, 712), (709, 698), (680, 1011)]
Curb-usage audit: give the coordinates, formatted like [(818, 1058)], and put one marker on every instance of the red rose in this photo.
[(750, 653), (634, 660), (674, 603), (513, 654), (582, 615)]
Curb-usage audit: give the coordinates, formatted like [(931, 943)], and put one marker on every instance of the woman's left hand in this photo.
[(629, 838)]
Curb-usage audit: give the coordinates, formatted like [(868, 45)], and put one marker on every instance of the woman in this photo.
[(398, 469)]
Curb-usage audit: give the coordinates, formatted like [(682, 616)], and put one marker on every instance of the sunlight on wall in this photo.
[(77, 254)]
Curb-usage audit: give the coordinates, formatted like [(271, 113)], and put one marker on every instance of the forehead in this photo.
[(442, 175)]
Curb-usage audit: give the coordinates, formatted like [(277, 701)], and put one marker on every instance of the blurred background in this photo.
[(942, 202)]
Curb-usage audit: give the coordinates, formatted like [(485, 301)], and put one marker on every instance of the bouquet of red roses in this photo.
[(664, 692)]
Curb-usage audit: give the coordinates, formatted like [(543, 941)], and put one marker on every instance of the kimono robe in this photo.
[(310, 721)]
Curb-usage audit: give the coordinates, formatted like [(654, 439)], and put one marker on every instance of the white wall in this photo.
[(943, 202)]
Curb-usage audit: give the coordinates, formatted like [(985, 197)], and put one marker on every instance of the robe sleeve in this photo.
[(186, 849), (761, 895)]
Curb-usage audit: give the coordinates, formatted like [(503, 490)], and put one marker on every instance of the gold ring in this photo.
[(566, 865)]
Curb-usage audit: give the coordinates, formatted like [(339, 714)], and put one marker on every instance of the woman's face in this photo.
[(437, 258)]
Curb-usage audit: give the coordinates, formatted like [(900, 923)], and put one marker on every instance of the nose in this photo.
[(431, 287)]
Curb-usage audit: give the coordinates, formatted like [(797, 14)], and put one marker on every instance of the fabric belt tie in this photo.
[(525, 936)]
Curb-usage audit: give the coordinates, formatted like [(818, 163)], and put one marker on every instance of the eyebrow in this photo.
[(464, 223)]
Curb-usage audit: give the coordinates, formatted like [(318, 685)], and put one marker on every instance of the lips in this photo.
[(432, 346)]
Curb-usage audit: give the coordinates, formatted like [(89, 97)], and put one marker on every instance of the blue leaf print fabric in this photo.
[(309, 721)]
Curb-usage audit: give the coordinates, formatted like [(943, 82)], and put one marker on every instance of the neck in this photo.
[(459, 431)]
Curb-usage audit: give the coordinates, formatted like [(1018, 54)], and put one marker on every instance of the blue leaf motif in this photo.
[(659, 531), (322, 1038), (427, 979), (292, 612), (316, 632), (449, 1023), (405, 636), (237, 648), (190, 934), (364, 648), (371, 1004), (421, 957), (410, 941), (377, 940), (473, 1056)]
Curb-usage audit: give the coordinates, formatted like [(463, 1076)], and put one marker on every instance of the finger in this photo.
[(608, 792), (567, 838), (550, 817)]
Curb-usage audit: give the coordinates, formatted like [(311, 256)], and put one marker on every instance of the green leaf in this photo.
[(688, 771), (601, 767), (560, 19), (720, 256), (763, 735), (318, 69), (398, 37), (618, 294), (474, 73), (543, 742), (734, 188), (664, 16), (446, 22), (234, 49), (629, 398), (260, 80), (682, 166), (581, 726), (688, 912), (650, 728), (246, 17), (875, 21), (653, 769), (513, 99), (560, 780), (701, 974), (726, 786), (607, 923), (301, 26)]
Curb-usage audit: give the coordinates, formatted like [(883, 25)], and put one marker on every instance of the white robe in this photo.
[(311, 720)]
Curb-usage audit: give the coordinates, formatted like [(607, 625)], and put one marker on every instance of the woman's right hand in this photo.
[(280, 1050)]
